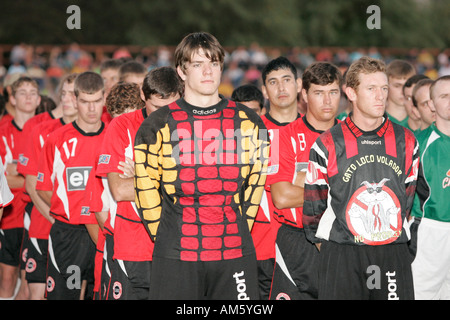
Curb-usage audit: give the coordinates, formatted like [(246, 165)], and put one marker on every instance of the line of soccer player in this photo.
[(70, 227)]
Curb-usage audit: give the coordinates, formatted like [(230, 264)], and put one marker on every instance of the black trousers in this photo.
[(365, 272)]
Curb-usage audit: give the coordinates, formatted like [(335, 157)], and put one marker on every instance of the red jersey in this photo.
[(6, 195), (131, 240), (296, 139), (106, 117), (66, 161), (265, 228), (11, 141), (39, 226)]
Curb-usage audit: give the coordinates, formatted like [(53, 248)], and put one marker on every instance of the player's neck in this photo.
[(57, 112), (443, 126), (202, 101), (68, 119), (396, 111), (364, 123), (318, 124), (88, 127), (414, 124), (286, 115), (21, 117)]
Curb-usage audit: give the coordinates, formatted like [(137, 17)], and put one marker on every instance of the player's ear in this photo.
[(430, 105), (305, 96), (181, 73), (351, 93), (264, 92), (299, 84)]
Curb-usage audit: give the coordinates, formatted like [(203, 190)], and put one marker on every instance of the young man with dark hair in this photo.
[(421, 100), (249, 95), (132, 71), (68, 156), (295, 275), (25, 98), (109, 70), (199, 181), (127, 240), (414, 120), (281, 89), (359, 190)]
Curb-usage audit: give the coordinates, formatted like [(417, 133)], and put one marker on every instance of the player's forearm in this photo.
[(286, 195), (46, 196), (122, 189), (38, 202), (15, 181), (101, 217)]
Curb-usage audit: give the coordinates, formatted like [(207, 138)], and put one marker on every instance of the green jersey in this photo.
[(435, 160)]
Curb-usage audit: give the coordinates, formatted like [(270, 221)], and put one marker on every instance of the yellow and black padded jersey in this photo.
[(200, 175)]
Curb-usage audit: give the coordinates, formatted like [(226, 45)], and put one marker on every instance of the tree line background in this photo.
[(307, 23)]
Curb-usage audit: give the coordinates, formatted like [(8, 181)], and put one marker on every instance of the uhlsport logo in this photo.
[(241, 286)]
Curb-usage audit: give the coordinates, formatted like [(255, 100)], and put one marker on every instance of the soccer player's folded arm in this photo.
[(256, 178)]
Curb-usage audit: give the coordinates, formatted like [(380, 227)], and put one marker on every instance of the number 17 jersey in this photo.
[(66, 160)]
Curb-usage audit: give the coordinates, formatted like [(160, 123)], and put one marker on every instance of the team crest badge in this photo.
[(374, 214)]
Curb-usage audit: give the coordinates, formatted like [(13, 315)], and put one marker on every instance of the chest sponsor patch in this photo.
[(77, 178)]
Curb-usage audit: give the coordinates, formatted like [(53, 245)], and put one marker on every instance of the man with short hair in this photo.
[(25, 98), (199, 180), (414, 120), (295, 275), (249, 95), (109, 70), (40, 219), (68, 156), (431, 265), (421, 99), (127, 240), (281, 86), (398, 71), (359, 190), (132, 71)]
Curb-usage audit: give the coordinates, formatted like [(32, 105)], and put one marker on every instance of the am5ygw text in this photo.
[(243, 309)]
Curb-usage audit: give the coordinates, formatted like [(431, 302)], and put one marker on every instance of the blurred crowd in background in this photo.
[(242, 65)]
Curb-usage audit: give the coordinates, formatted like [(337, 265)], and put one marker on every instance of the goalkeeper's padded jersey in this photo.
[(199, 179)]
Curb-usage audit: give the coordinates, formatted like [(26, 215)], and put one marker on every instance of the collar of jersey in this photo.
[(358, 132), (75, 125), (189, 108)]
